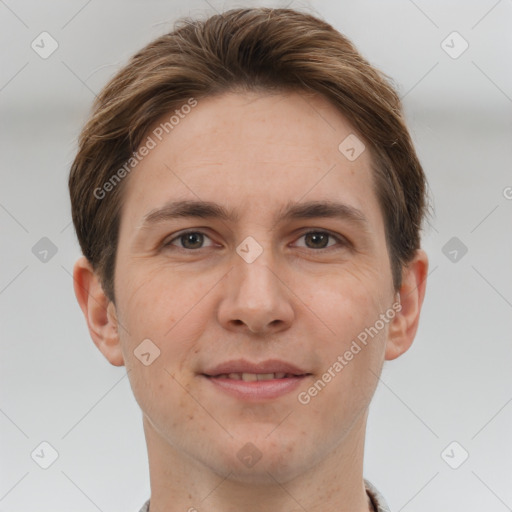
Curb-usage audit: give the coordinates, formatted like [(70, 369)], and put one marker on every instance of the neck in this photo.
[(335, 483)]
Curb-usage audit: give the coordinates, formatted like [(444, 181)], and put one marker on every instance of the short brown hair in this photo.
[(244, 49)]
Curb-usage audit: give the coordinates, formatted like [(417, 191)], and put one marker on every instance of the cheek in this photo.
[(153, 309), (354, 347), (347, 303), (172, 324), (158, 302)]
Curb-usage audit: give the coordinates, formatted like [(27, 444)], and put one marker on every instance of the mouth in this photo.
[(252, 377), (256, 381)]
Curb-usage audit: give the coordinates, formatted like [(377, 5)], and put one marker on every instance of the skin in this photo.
[(302, 300)]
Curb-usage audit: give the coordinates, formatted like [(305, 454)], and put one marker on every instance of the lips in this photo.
[(251, 377), (266, 380), (244, 370)]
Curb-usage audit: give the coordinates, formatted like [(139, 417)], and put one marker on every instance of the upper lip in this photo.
[(244, 366)]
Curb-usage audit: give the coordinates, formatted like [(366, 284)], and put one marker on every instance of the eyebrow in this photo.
[(291, 211)]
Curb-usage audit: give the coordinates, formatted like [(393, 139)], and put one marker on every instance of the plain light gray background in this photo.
[(453, 385)]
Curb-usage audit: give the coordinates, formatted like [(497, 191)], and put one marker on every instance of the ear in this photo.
[(404, 325), (99, 312)]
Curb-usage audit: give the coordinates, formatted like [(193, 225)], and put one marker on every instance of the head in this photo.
[(259, 113)]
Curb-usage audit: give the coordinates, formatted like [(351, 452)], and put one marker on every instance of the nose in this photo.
[(255, 299)]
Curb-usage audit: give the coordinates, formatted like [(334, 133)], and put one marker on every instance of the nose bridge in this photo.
[(254, 295), (255, 282)]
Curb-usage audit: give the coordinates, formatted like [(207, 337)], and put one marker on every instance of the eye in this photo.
[(188, 240), (320, 240), (192, 240)]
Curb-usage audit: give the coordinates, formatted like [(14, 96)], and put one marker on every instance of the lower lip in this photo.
[(257, 390)]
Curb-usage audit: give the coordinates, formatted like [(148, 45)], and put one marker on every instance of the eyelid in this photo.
[(342, 240), (175, 236)]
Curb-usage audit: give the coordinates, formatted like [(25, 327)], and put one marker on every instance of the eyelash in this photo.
[(341, 240)]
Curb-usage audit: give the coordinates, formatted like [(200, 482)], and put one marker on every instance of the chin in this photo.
[(264, 472), (258, 459)]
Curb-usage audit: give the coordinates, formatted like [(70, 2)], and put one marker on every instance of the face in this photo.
[(277, 288)]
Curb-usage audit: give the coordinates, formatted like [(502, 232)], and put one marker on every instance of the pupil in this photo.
[(193, 238), (318, 237)]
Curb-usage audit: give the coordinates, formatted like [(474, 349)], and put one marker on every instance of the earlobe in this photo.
[(99, 312), (402, 329)]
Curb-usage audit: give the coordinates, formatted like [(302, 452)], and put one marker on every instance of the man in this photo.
[(249, 203)]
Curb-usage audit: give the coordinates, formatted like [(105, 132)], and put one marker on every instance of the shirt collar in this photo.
[(377, 499)]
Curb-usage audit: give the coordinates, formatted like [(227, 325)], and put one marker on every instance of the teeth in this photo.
[(251, 377), (266, 376)]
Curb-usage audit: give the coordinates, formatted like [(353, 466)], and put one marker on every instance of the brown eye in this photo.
[(188, 240), (317, 240), (192, 240), (320, 240)]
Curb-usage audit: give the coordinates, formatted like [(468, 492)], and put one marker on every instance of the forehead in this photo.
[(254, 151)]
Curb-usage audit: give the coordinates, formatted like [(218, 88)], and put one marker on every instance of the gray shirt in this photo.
[(377, 499)]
